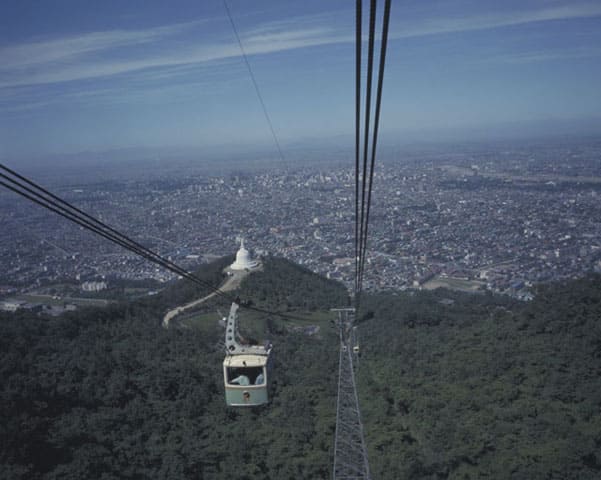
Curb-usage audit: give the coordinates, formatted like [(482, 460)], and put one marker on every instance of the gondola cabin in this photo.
[(246, 368), (246, 379)]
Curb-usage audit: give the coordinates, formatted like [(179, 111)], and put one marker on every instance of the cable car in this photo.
[(246, 368)]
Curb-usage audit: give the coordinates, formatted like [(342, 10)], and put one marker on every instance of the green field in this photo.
[(255, 324), (60, 301), (453, 284)]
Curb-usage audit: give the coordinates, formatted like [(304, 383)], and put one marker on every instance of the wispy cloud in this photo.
[(51, 63), (546, 56), (437, 26), (171, 83), (91, 55), (71, 48)]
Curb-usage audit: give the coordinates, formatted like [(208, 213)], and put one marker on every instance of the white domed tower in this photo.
[(243, 259)]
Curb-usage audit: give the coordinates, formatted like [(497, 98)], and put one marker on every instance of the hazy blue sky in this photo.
[(82, 75)]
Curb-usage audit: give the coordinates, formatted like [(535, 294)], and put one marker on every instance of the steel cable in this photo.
[(81, 218)]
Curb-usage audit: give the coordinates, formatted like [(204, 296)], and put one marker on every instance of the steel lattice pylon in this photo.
[(350, 452)]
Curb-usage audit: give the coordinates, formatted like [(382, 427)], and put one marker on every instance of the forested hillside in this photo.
[(458, 386), (451, 386), (284, 285), (108, 393)]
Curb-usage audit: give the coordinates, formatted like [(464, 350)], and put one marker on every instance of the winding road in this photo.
[(231, 283)]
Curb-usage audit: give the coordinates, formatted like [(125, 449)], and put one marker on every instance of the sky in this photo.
[(89, 76)]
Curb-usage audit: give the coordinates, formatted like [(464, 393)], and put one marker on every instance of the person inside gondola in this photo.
[(241, 380)]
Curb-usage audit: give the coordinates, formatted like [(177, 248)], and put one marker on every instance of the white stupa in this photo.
[(243, 259)]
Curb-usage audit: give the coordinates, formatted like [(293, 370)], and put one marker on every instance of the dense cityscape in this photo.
[(475, 218)]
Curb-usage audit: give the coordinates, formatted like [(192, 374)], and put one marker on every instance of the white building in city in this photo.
[(93, 286)]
